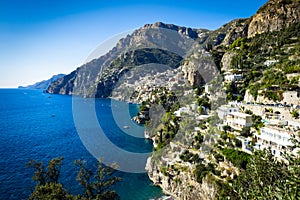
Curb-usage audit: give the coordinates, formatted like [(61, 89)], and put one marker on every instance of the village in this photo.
[(258, 124)]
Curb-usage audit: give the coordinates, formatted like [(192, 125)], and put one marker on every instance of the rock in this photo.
[(182, 185), (226, 60), (273, 16), (235, 29), (145, 45)]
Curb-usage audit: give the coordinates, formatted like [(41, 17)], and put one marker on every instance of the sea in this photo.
[(40, 126)]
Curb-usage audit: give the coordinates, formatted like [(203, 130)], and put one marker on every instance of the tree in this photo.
[(266, 177), (256, 122), (47, 181), (295, 114), (97, 185), (53, 170), (226, 128), (262, 178), (246, 131), (50, 191), (41, 176)]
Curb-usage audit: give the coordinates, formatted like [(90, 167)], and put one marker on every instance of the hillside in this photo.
[(43, 85), (181, 76), (194, 158), (87, 79)]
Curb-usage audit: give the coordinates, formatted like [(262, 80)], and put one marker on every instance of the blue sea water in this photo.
[(40, 126)]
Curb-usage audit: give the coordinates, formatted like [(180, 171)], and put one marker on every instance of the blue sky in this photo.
[(40, 38)]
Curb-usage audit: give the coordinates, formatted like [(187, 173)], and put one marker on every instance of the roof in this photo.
[(225, 107), (278, 129), (239, 114)]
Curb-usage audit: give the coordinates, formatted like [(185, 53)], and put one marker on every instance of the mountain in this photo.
[(264, 50), (87, 80), (43, 85), (154, 43), (145, 66), (273, 16)]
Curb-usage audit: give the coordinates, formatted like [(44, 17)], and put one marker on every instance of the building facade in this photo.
[(238, 120), (273, 138), (223, 111)]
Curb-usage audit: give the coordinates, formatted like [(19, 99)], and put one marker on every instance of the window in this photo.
[(279, 137)]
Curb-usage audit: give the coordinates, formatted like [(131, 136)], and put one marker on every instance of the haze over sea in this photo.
[(40, 126)]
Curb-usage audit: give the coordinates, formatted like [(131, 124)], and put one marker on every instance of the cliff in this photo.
[(154, 43), (242, 46), (273, 16), (155, 63), (43, 85), (88, 79)]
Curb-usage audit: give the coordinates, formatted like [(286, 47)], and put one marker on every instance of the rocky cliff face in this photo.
[(235, 29), (274, 15), (63, 85), (88, 79), (178, 180), (137, 63), (199, 68), (165, 169), (185, 50), (97, 77)]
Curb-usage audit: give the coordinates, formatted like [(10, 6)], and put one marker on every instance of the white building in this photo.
[(270, 62), (277, 139), (291, 97), (223, 111), (238, 120), (232, 77), (181, 110), (293, 125), (207, 88)]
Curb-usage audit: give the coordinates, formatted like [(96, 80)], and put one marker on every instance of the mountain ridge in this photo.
[(43, 84), (86, 78), (188, 167), (281, 13)]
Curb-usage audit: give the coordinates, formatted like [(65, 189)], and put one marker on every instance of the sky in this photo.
[(41, 38)]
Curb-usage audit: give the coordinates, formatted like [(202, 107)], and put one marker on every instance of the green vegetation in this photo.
[(267, 178), (187, 156), (203, 102), (198, 139), (202, 170), (43, 176), (231, 89), (50, 191), (146, 56), (250, 56), (261, 175), (163, 126), (295, 113), (167, 131), (246, 132), (256, 122), (292, 69), (226, 128), (218, 157), (238, 158), (97, 185)]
